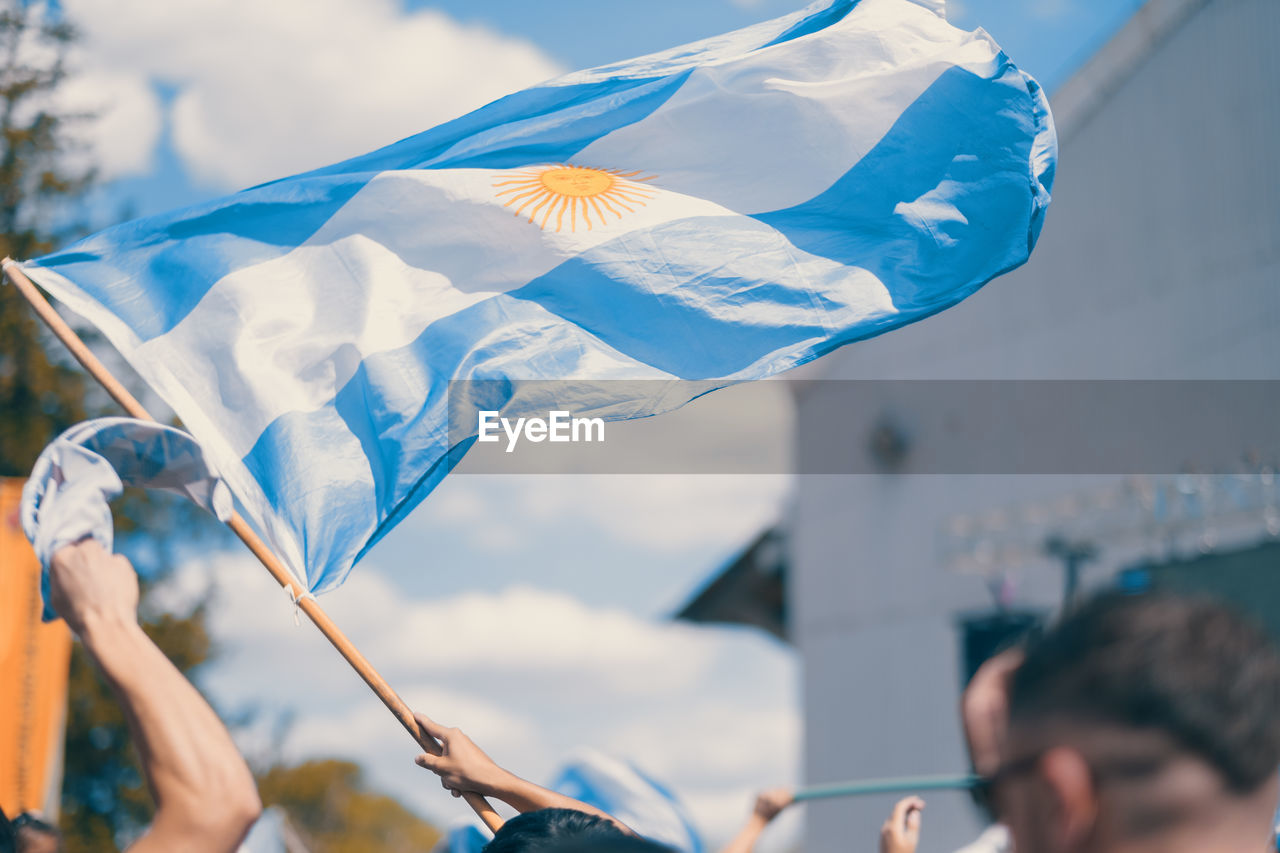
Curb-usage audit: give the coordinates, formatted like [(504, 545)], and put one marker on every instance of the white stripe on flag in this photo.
[(829, 97), (298, 326)]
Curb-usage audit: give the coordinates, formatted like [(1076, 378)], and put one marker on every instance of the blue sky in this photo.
[(1050, 38), (1046, 37), (530, 610)]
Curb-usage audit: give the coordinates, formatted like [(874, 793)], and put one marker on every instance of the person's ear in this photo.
[(1070, 782)]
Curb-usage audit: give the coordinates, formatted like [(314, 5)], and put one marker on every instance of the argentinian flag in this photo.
[(722, 211)]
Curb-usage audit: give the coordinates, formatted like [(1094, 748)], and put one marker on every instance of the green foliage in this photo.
[(334, 811), (38, 397), (35, 183)]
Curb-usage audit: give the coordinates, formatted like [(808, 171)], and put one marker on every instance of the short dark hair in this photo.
[(623, 844), (552, 830), (1186, 667)]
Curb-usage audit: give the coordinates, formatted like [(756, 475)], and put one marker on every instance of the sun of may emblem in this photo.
[(564, 195)]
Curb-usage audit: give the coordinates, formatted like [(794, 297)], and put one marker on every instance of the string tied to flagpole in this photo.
[(296, 600)]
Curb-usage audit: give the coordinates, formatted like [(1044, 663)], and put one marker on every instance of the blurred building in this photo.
[(1159, 260)]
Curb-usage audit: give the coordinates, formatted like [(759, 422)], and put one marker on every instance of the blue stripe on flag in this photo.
[(819, 20), (660, 296), (915, 210), (546, 124), (190, 249)]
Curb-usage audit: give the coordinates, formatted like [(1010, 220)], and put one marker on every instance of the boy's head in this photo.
[(1141, 718), (565, 831)]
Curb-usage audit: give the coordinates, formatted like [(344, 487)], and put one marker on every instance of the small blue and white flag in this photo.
[(617, 788), (626, 792), (722, 211)]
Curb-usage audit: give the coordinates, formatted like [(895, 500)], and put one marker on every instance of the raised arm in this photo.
[(205, 796), (463, 766), (768, 806)]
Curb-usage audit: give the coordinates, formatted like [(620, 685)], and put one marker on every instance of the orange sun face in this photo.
[(586, 195)]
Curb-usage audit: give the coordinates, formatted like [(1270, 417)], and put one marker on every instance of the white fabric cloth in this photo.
[(65, 498)]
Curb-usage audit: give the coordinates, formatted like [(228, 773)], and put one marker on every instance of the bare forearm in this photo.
[(204, 793), (745, 840), (524, 796)]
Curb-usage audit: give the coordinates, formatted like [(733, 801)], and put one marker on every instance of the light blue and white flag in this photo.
[(621, 789), (722, 211), (617, 788)]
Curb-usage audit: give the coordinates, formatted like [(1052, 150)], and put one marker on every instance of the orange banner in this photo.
[(34, 662)]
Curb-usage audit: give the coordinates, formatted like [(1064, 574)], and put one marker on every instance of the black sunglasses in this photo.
[(1133, 767)]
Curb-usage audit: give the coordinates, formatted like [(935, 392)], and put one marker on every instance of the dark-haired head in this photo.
[(1142, 715), (626, 844), (565, 831)]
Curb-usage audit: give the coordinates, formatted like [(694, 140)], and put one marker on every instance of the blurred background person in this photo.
[(1138, 723)]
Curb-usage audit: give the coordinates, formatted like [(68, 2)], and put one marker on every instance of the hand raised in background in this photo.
[(901, 832), (771, 802)]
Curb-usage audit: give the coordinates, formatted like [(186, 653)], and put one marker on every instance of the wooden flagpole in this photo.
[(283, 576)]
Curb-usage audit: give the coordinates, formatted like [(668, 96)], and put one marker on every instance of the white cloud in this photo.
[(532, 675), (117, 117), (744, 431), (732, 753), (125, 120), (368, 730), (269, 89), (674, 511), (523, 628), (511, 632), (463, 505), (666, 512)]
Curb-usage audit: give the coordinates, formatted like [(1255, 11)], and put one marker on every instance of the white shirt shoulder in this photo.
[(994, 840)]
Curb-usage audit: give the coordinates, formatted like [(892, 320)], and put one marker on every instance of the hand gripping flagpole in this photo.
[(307, 603)]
